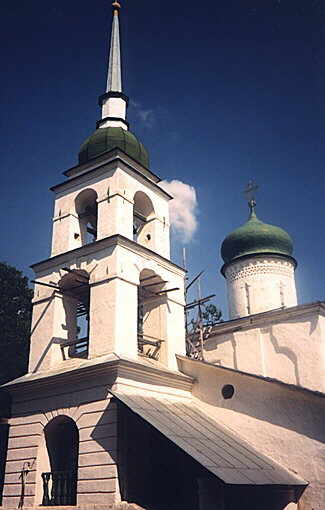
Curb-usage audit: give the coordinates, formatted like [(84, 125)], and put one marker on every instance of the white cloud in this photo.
[(183, 208), (147, 117)]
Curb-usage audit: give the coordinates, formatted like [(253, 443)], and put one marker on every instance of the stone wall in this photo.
[(96, 418)]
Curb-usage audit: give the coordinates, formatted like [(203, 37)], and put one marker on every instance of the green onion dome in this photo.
[(255, 238), (109, 138)]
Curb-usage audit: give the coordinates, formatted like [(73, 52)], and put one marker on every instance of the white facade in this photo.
[(112, 188), (282, 421), (286, 345), (115, 266), (260, 283)]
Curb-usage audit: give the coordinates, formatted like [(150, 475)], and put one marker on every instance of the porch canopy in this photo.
[(210, 443)]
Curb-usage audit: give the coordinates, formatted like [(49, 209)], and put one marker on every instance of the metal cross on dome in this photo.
[(250, 192)]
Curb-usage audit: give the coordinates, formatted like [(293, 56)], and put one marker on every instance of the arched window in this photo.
[(86, 208), (76, 302), (151, 323), (143, 214), (62, 443)]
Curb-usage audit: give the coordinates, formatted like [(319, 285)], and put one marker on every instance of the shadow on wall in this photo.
[(4, 433), (282, 349), (268, 401), (278, 345), (5, 412)]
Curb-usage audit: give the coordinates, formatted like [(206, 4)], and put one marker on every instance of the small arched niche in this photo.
[(151, 315), (87, 211), (75, 290), (143, 216), (61, 437)]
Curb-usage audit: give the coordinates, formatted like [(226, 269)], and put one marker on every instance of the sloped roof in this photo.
[(222, 368), (211, 444)]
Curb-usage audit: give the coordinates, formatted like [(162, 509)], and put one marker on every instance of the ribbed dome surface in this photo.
[(256, 237), (105, 139)]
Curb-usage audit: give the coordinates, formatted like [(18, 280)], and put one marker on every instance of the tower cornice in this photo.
[(114, 156), (108, 368), (88, 249)]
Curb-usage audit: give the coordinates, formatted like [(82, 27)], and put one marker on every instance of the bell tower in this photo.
[(109, 287)]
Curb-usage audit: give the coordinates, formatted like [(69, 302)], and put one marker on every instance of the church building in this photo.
[(113, 414)]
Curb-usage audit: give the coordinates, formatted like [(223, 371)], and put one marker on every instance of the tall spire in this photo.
[(114, 102), (114, 77)]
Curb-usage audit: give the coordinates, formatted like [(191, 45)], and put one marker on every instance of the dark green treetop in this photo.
[(15, 322)]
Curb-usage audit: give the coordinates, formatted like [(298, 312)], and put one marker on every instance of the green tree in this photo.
[(211, 315), (15, 322)]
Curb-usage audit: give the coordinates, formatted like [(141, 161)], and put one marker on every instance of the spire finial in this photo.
[(249, 193), (114, 102), (114, 78), (116, 7)]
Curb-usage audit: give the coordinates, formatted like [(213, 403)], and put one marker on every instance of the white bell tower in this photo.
[(109, 287)]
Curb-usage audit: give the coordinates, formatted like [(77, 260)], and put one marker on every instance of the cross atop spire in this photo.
[(114, 78)]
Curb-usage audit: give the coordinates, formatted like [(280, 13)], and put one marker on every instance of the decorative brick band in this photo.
[(260, 266)]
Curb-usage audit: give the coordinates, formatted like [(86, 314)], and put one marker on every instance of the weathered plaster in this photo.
[(260, 283), (283, 423), (287, 345)]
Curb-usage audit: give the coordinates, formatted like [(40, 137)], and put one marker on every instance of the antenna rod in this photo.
[(184, 258), (194, 280)]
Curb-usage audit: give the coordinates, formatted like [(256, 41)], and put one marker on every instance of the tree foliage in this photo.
[(15, 322), (211, 315), (199, 327)]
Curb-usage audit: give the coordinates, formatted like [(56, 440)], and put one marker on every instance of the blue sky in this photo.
[(221, 92)]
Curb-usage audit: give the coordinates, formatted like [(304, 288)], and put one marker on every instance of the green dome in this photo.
[(105, 139), (254, 238)]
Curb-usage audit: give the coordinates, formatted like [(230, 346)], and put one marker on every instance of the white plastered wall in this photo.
[(114, 307), (259, 284), (289, 348), (285, 424), (114, 279), (115, 186)]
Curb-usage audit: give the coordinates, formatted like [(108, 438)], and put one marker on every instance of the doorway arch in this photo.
[(62, 443)]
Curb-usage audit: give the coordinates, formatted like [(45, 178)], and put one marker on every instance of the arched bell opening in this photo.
[(75, 290), (62, 444), (151, 314), (87, 211), (143, 216)]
